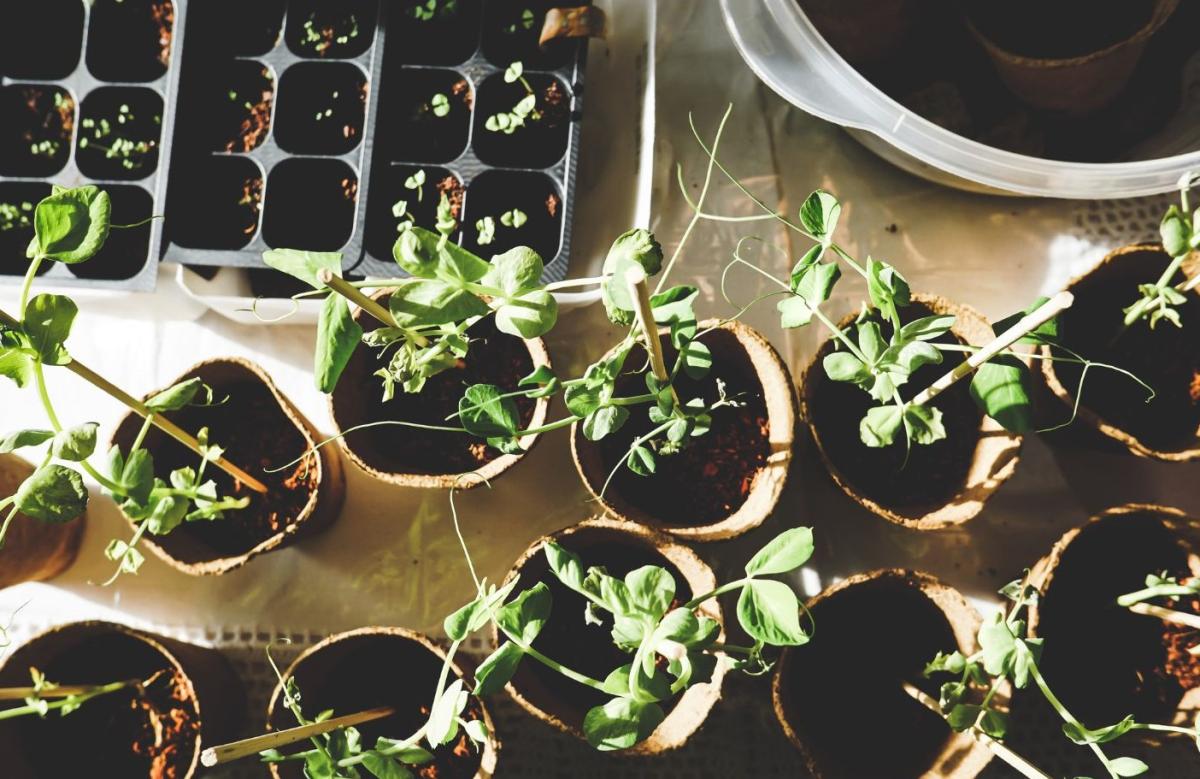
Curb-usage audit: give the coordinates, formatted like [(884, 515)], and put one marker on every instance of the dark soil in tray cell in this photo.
[(539, 142), (434, 32), (393, 202), (511, 31), (493, 358), (234, 28), (233, 106), (17, 202), (119, 132), (310, 205), (125, 251), (35, 130), (220, 209), (1167, 357), (427, 114), (45, 43), (1057, 29), (321, 108), (711, 477), (494, 193), (130, 40), (928, 475), (330, 29)]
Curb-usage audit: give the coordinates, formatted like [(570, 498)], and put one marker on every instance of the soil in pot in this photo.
[(233, 105), (231, 190), (1167, 358), (390, 192), (119, 130), (413, 129), (257, 436), (511, 32), (369, 669), (130, 40), (35, 136), (448, 34), (121, 734), (125, 251), (234, 28), (1058, 29), (834, 685), (711, 477), (18, 199), (539, 143), (1139, 672), (310, 203), (907, 481), (47, 42), (494, 358), (330, 29), (494, 192), (321, 108)]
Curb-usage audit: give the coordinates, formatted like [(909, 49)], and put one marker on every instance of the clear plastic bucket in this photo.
[(784, 49)]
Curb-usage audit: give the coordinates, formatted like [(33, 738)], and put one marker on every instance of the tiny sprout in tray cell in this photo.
[(524, 110)]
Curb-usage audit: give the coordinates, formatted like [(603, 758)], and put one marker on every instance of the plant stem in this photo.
[(555, 425), (27, 285), (1167, 615), (70, 700), (372, 307), (546, 661), (236, 750), (724, 588), (8, 518)]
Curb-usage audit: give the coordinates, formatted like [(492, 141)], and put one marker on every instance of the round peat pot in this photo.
[(932, 486), (877, 631), (1070, 81), (34, 550), (372, 668), (195, 698), (259, 429), (1144, 668), (1165, 357), (619, 547), (722, 483), (411, 457)]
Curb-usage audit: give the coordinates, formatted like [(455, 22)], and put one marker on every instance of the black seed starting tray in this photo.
[(85, 98)]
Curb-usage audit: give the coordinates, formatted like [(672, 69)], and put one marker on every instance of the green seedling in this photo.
[(1168, 589), (105, 134), (439, 104), (322, 38), (44, 697), (1180, 233), (485, 231), (525, 109), (416, 182), (429, 10), (15, 216), (514, 218), (525, 22)]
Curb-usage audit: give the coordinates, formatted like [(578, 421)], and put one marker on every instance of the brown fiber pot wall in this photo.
[(779, 397), (34, 550), (324, 501)]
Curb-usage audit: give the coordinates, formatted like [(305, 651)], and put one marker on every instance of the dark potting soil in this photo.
[(231, 189), (241, 113), (411, 129), (234, 28), (569, 639), (122, 734), (310, 203), (828, 681), (1079, 613), (47, 42), (130, 40), (1180, 665), (372, 670), (256, 436), (35, 138), (321, 108), (494, 192), (450, 37), (908, 480), (1058, 29), (494, 358), (539, 143), (1167, 358), (711, 477)]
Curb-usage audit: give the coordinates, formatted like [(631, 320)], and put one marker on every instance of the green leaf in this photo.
[(517, 270), (697, 360), (513, 72), (926, 328), (793, 312), (621, 723), (634, 247), (1002, 388), (526, 614), (1176, 232), (786, 552), (485, 413), (52, 493), (304, 265), (71, 225), (442, 725), (19, 439), (476, 731), (528, 315), (769, 611), (318, 765), (497, 669), (641, 460), (384, 767), (994, 723), (651, 589), (75, 443), (924, 424), (542, 376), (604, 421), (565, 565), (475, 615), (879, 427), (426, 255), (582, 399), (870, 341), (16, 363), (843, 366), (413, 755), (815, 283), (338, 335), (674, 305), (887, 288), (432, 302), (137, 475), (1081, 735), (178, 396), (915, 354), (1127, 766), (1045, 333), (819, 214), (999, 646), (48, 320)]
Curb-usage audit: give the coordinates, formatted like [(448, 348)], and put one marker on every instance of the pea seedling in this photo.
[(1169, 589), (508, 122), (70, 226), (105, 135), (439, 104), (524, 23), (44, 696), (1180, 233), (428, 10), (485, 227)]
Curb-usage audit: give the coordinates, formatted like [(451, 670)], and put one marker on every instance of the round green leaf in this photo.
[(769, 611), (71, 224), (53, 493), (786, 552)]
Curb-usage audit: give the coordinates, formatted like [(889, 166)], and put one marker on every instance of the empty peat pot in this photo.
[(411, 457), (376, 667), (1144, 668), (876, 632), (1072, 57), (259, 428), (723, 483), (932, 486), (1165, 357), (157, 734), (619, 547), (34, 550)]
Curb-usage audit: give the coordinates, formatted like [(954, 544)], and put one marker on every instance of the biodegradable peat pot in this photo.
[(259, 428), (876, 631), (862, 31), (722, 483), (157, 735), (1167, 358), (1144, 668), (1047, 69), (942, 484), (33, 550), (620, 547), (410, 457), (381, 666)]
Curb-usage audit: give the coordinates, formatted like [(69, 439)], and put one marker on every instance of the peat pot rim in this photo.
[(996, 453), (779, 397), (490, 754), (692, 708), (962, 756), (1086, 414)]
